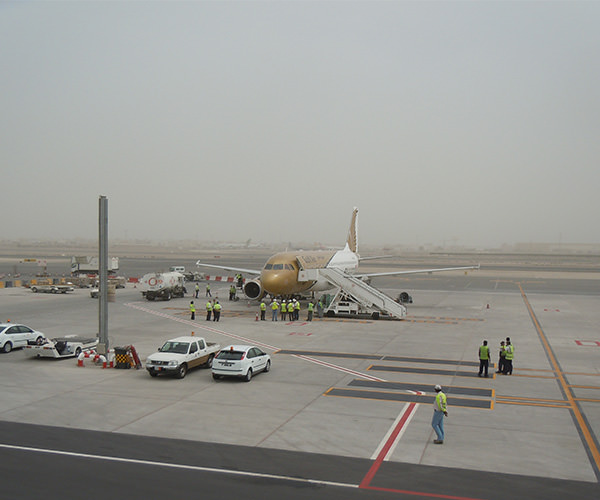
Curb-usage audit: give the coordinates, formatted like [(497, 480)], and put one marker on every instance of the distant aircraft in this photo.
[(246, 244), (288, 274)]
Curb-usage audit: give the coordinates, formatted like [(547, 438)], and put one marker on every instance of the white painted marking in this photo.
[(401, 433), (177, 466), (337, 367)]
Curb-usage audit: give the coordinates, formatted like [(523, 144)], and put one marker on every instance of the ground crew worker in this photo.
[(508, 359), (216, 311), (232, 292), (320, 308), (197, 289), (193, 310), (501, 357), (240, 280), (439, 411), (263, 310), (297, 310), (311, 308), (484, 358), (209, 309), (208, 294), (274, 308), (283, 310), (290, 310)]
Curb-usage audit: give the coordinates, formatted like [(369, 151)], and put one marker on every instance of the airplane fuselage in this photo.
[(280, 275)]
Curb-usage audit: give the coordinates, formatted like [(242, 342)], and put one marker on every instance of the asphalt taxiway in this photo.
[(345, 411)]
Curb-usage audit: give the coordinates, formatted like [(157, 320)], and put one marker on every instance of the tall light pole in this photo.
[(103, 277)]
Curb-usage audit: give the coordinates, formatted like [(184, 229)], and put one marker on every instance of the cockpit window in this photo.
[(268, 266), (278, 267)]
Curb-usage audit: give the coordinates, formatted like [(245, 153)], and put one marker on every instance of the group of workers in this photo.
[(505, 358), (289, 309), (505, 366), (232, 289), (197, 290), (213, 308)]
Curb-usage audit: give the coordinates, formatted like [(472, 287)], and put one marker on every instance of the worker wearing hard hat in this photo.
[(283, 310), (439, 412)]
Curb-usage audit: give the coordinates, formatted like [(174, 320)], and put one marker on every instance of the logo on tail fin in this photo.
[(352, 240)]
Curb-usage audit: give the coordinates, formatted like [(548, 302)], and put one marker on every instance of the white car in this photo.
[(240, 361), (13, 335)]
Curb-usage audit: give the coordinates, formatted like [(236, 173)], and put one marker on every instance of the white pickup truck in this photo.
[(180, 354)]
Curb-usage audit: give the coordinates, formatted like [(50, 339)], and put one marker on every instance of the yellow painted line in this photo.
[(597, 387), (535, 370), (534, 400), (588, 400), (566, 406), (531, 376), (583, 374), (561, 378)]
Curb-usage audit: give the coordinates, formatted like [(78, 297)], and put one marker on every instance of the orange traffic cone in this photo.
[(256, 317)]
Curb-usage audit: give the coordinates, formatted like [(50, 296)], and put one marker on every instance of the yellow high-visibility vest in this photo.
[(510, 353), (440, 401), (484, 352)]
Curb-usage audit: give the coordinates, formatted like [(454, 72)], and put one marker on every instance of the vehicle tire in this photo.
[(7, 347), (267, 367), (209, 361), (182, 370), (248, 376), (375, 315), (168, 296), (78, 351), (54, 290), (216, 377), (39, 340), (150, 297), (153, 373), (330, 314), (34, 289)]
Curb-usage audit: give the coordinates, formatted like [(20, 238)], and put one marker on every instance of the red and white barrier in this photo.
[(223, 279)]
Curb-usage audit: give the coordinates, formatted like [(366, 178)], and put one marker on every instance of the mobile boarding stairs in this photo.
[(355, 297)]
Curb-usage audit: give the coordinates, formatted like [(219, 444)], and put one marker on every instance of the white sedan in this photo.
[(13, 335), (240, 361)]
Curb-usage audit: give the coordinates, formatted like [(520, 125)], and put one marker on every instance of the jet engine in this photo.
[(253, 289)]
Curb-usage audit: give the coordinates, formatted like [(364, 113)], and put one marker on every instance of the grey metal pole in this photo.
[(103, 277)]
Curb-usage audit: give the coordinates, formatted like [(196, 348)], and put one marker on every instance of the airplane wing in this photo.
[(377, 257), (418, 271), (225, 268)]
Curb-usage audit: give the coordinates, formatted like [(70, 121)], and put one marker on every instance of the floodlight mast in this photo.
[(103, 274)]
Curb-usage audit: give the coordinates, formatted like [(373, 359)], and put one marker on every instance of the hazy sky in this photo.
[(473, 123)]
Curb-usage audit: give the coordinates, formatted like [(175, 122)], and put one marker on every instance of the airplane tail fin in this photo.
[(352, 241)]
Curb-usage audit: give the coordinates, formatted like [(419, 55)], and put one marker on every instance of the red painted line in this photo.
[(386, 448), (418, 493)]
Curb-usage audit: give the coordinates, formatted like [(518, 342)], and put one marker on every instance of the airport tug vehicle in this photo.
[(68, 346)]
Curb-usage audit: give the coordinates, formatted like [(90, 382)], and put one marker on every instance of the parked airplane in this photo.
[(295, 273)]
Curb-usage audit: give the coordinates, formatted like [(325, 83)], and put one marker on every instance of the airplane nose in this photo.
[(271, 282)]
